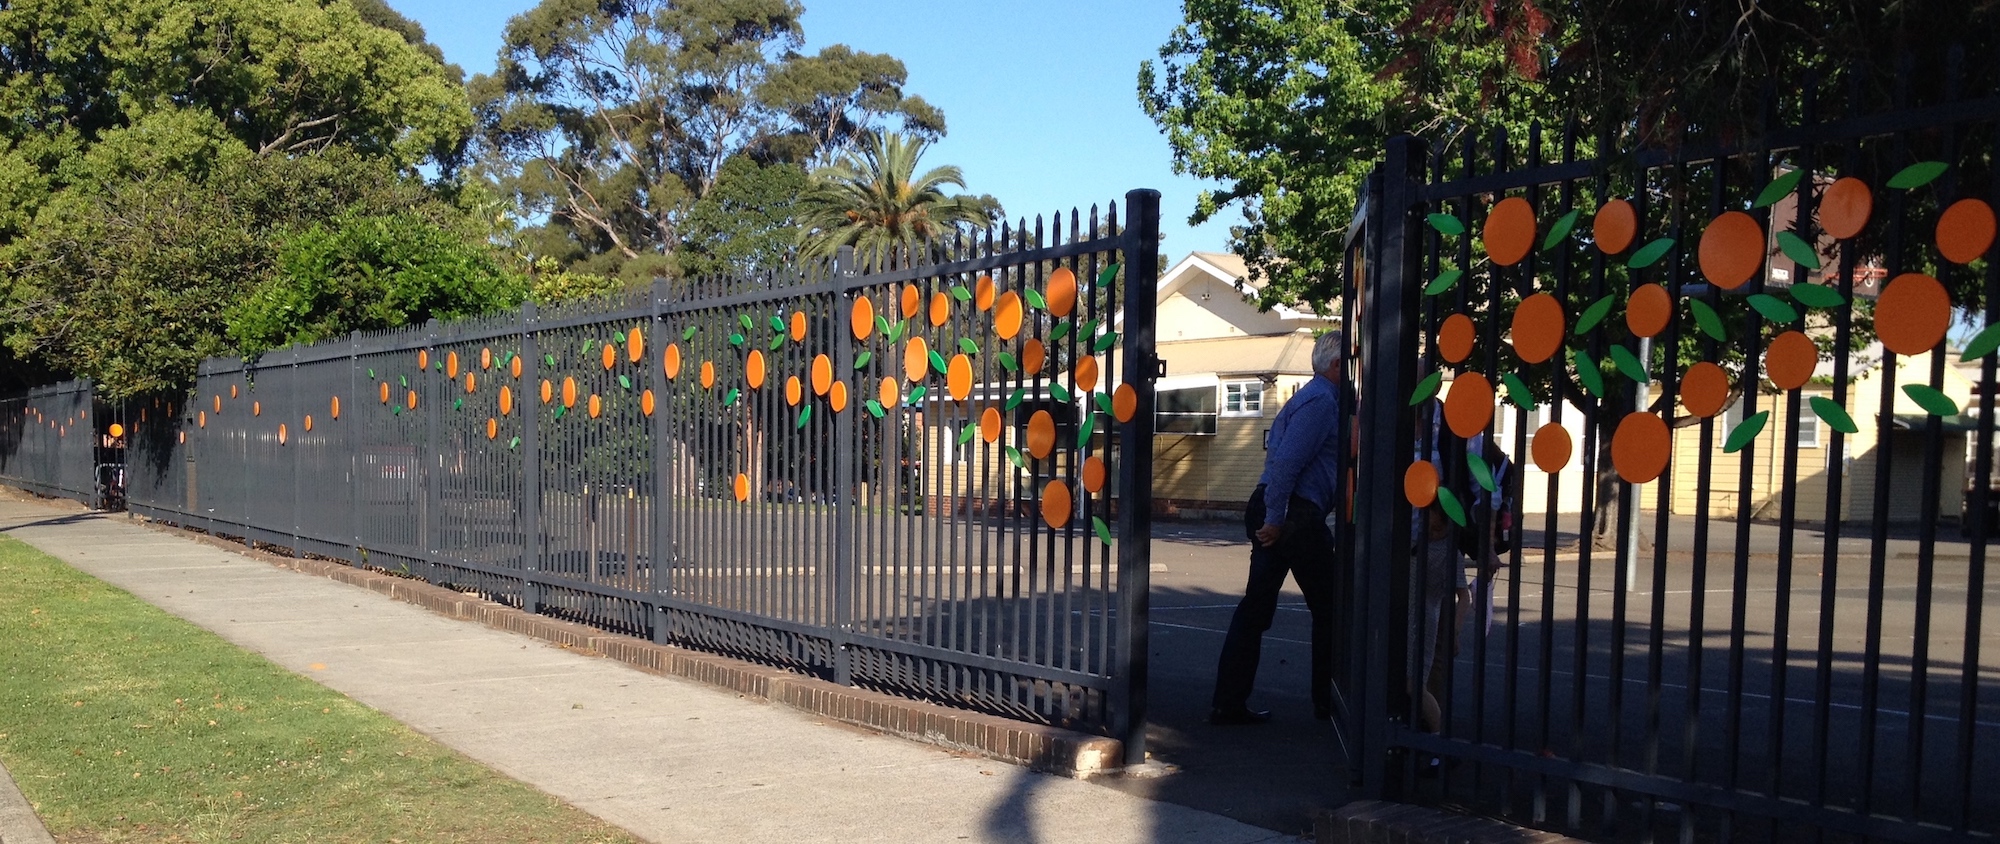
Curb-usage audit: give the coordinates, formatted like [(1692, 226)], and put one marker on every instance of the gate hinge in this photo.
[(1159, 367)]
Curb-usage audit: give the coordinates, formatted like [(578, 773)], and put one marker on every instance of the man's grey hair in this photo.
[(1329, 349)]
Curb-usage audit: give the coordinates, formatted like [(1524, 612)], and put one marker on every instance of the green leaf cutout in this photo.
[(689, 333), (1917, 175), (1427, 388), (1103, 530), (1447, 224), (895, 332), (1480, 471), (1629, 364), (1561, 229), (1983, 343), (1835, 417), (588, 347), (458, 403), (1060, 392), (1087, 329), (396, 411), (1107, 275), (405, 379), (966, 345), (1105, 341), (1746, 432), (874, 408), (1452, 508), (371, 373), (965, 436), (561, 412), (1795, 248), (1650, 254), (1778, 188), (736, 340), (1707, 320), (1817, 295), (1036, 301), (938, 362), (778, 324), (549, 360), (959, 292), (882, 325), (1104, 403), (1061, 331), (1588, 374), (1086, 429), (625, 382), (1593, 315), (1518, 392), (776, 343), (861, 360), (513, 443), (729, 398), (1014, 457), (917, 394), (1445, 281), (1007, 361), (1773, 308), (1020, 395), (748, 323), (805, 415), (1932, 401)]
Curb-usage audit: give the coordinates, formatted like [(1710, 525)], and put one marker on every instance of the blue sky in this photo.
[(1040, 96)]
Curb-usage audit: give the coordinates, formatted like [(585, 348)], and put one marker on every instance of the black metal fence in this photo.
[(1752, 478), (59, 441), (902, 479)]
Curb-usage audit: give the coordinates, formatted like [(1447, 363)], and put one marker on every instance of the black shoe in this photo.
[(1240, 716)]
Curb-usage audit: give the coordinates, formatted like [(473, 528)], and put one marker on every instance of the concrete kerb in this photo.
[(1034, 746), (18, 821), (1383, 822)]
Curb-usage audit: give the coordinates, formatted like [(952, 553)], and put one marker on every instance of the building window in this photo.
[(1185, 411), (1243, 398), (1808, 430)]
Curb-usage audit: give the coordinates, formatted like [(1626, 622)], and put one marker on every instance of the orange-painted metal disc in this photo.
[(1538, 328), (1420, 484), (708, 375), (569, 392), (282, 433), (794, 391), (486, 358), (515, 365), (1615, 226), (1041, 434), (1056, 504), (1007, 315), (670, 361), (333, 407), (1912, 314), (1124, 403), (990, 424), (1061, 294), (385, 392), (1510, 231), (308, 426), (1648, 310), (1845, 207), (412, 400), (742, 487), (1086, 373), (958, 377), (1551, 448), (610, 356), (916, 359), (1704, 389), (836, 395), (646, 402), (492, 428), (548, 391), (1033, 356), (982, 293), (862, 320), (256, 408), (1455, 338), (506, 400), (822, 374), (1790, 360), (1732, 249), (1469, 406), (913, 301), (1965, 231), (635, 345), (798, 326), (940, 308), (1094, 474), (423, 362), (451, 365), (596, 406), (1639, 449), (888, 393), (753, 369)]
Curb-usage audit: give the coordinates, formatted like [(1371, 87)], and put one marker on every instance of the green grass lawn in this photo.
[(122, 723)]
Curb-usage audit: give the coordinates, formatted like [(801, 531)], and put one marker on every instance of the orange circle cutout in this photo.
[(548, 391), (596, 406), (1056, 504), (256, 408), (1912, 314), (862, 320), (333, 407), (822, 374), (1639, 448), (1041, 434), (1732, 249), (385, 392), (1704, 388), (201, 419), (916, 359), (232, 394), (309, 425), (837, 396), (610, 356), (671, 361), (646, 403), (1094, 474), (492, 428), (1845, 207), (1648, 310), (635, 345), (913, 300), (742, 487), (1551, 448), (471, 381), (282, 433), (1538, 328), (1965, 231), (118, 430), (989, 425), (1086, 373), (1510, 231), (506, 400), (1790, 360), (708, 375), (515, 365), (1007, 315), (798, 326), (958, 377), (451, 365), (1061, 294), (413, 399), (1124, 403), (753, 369), (794, 391), (423, 362), (1455, 338), (940, 308), (982, 293), (569, 392), (1469, 406), (887, 393), (1615, 226), (1033, 356), (1420, 484), (486, 358)]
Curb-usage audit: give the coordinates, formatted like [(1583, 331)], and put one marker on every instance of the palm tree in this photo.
[(873, 201)]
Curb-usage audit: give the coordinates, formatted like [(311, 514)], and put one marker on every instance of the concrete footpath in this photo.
[(669, 759)]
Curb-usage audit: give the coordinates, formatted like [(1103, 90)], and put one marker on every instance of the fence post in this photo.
[(433, 457), (531, 464), (1141, 249), (663, 468), (354, 481), (843, 477), (1382, 516)]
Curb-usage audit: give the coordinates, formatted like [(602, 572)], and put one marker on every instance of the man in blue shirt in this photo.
[(1286, 523)]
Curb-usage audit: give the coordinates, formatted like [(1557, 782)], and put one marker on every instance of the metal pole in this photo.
[(663, 466), (1628, 510), (1135, 472), (843, 485), (531, 464)]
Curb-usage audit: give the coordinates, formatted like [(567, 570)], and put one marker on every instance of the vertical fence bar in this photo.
[(531, 465), (844, 458), (1135, 471)]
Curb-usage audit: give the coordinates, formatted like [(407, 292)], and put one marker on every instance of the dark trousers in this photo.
[(1306, 552)]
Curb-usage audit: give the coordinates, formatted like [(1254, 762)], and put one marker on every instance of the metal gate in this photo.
[(1747, 393)]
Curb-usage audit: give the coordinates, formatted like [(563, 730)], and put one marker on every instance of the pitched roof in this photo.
[(1283, 354)]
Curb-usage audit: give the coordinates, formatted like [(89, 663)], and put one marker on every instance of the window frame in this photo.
[(1223, 396)]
